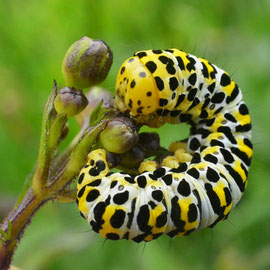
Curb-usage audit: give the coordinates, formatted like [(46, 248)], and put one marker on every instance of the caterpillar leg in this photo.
[(148, 166), (180, 152)]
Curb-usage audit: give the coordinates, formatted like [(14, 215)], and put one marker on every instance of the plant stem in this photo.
[(19, 218)]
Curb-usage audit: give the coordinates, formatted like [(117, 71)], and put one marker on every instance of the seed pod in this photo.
[(119, 136), (70, 101), (86, 63)]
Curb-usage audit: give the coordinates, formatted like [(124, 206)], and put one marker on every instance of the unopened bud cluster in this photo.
[(87, 63)]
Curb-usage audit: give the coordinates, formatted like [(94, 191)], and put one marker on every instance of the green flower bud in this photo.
[(86, 63), (119, 136), (70, 101)]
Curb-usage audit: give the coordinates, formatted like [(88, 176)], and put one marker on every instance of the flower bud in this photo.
[(149, 142), (132, 158), (113, 159), (119, 136), (86, 63), (70, 101)]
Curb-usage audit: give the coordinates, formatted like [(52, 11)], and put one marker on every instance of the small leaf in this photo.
[(27, 184), (56, 128), (4, 234), (95, 113), (9, 229)]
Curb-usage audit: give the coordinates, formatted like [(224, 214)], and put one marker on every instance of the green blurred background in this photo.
[(34, 36)]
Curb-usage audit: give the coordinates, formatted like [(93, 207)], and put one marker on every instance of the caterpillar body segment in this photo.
[(205, 177)]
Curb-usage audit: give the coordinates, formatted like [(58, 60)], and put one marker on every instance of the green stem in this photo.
[(67, 195), (22, 214), (78, 157), (61, 161), (44, 155)]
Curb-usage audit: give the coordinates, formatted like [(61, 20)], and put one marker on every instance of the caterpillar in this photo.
[(202, 181)]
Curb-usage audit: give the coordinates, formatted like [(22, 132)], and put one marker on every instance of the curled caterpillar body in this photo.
[(206, 176)]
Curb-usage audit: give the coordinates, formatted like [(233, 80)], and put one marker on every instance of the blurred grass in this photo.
[(34, 36)]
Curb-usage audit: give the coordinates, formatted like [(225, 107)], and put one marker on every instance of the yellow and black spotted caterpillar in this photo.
[(202, 181)]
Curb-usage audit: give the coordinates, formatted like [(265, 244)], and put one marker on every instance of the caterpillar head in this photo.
[(136, 89)]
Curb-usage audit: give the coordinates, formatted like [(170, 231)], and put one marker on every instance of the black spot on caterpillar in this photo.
[(206, 176)]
